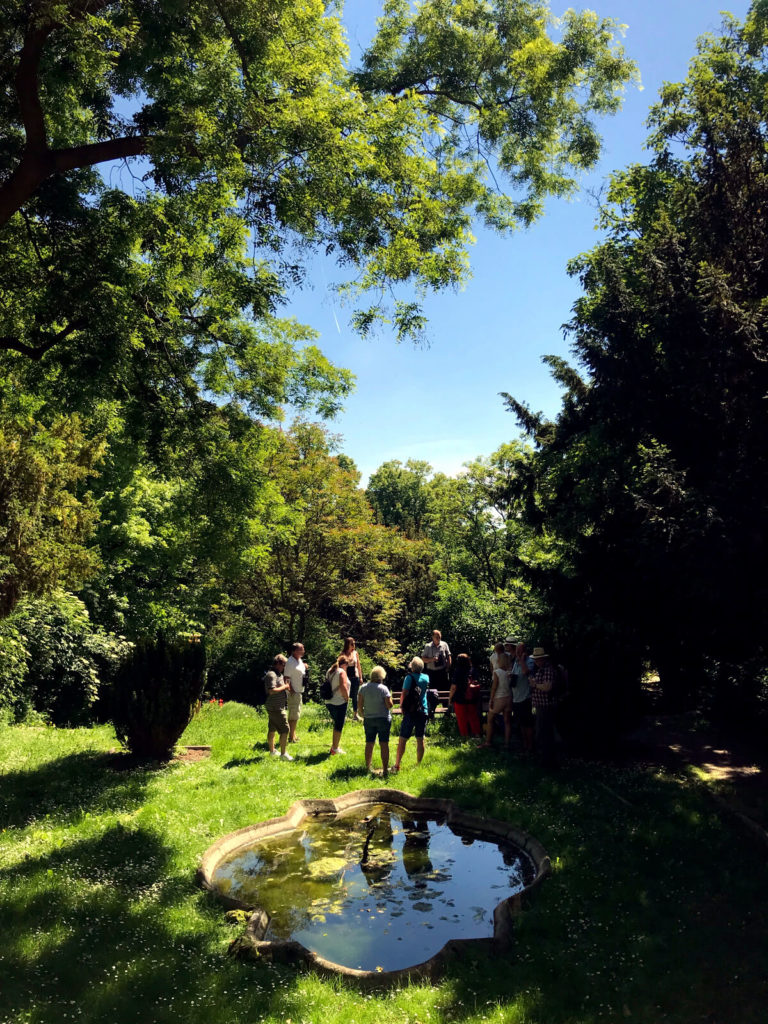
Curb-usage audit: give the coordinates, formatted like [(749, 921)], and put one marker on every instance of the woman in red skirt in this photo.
[(465, 703)]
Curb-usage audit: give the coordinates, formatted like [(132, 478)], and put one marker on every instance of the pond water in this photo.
[(376, 887)]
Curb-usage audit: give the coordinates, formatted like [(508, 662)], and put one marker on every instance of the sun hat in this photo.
[(511, 640), (539, 652)]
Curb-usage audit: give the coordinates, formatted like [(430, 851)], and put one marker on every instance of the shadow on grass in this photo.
[(244, 762), (348, 772), (74, 783), (650, 913), (106, 928), (318, 758)]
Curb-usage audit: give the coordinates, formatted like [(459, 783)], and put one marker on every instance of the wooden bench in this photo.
[(442, 704), (441, 708)]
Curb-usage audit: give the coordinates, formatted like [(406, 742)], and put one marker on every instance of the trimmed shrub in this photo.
[(155, 694)]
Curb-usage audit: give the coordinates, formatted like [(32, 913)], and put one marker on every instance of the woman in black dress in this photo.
[(354, 674)]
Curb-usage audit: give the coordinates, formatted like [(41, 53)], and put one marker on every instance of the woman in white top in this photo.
[(337, 704), (501, 699)]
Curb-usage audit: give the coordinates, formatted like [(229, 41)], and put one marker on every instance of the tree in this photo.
[(46, 514), (400, 495), (474, 517), (253, 140), (328, 565), (155, 693), (182, 522), (654, 475)]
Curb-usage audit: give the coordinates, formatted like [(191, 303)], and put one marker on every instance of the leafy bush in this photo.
[(54, 661), (155, 693), (470, 618), (239, 653), (14, 659)]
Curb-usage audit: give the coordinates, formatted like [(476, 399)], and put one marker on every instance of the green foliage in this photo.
[(475, 518), (471, 618), (399, 495), (474, 544), (46, 516), (654, 475), (54, 661), (253, 134), (239, 652), (148, 308), (155, 693), (182, 522), (329, 568)]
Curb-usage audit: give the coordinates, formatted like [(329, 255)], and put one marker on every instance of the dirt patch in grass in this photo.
[(193, 754), (124, 761)]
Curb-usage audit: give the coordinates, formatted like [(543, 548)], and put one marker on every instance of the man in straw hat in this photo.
[(542, 681)]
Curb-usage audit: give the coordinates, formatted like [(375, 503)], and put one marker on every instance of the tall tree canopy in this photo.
[(246, 138), (654, 475)]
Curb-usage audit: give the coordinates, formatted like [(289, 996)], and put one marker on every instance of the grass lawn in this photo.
[(656, 910)]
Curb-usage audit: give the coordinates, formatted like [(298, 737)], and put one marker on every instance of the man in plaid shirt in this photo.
[(542, 681)]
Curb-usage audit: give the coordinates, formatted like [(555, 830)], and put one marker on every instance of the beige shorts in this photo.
[(277, 720), (294, 706), (501, 704)]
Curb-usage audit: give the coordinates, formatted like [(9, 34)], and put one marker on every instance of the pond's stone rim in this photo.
[(251, 945)]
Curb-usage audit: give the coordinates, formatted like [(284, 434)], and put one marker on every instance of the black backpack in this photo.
[(411, 701), (326, 687)]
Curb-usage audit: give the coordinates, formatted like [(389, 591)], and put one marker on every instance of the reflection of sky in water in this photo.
[(378, 887)]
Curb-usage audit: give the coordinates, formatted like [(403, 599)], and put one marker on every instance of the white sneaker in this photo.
[(275, 753), (338, 750), (286, 757)]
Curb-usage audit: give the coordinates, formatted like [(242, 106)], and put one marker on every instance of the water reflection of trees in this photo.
[(416, 847), (378, 856)]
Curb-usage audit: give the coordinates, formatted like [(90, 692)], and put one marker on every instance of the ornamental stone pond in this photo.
[(376, 885)]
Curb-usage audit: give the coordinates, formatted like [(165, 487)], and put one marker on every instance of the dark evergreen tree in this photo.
[(654, 476)]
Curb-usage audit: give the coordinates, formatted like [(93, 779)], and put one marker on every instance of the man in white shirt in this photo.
[(295, 670), (437, 661)]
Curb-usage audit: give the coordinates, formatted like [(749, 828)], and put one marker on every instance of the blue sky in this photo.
[(442, 403)]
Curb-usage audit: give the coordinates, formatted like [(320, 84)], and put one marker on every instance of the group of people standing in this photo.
[(522, 692), (372, 704), (521, 683)]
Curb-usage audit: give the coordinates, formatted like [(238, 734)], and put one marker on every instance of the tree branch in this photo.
[(99, 152), (28, 87), (236, 40), (11, 344), (38, 161), (39, 164)]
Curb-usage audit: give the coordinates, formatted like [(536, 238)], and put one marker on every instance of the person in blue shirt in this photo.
[(413, 704)]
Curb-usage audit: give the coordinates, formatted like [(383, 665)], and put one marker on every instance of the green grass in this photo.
[(655, 910)]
